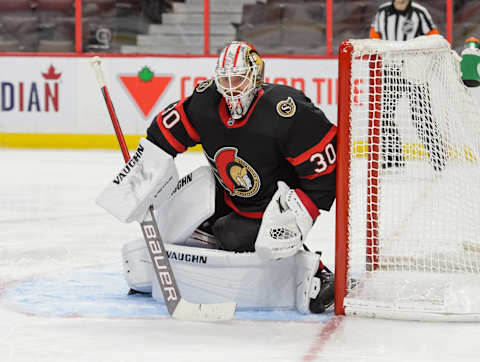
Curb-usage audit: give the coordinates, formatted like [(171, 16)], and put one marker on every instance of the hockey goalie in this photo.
[(234, 230)]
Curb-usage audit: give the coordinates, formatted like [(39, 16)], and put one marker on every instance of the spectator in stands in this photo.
[(403, 20)]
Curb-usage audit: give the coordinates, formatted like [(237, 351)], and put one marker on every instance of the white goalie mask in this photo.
[(238, 76)]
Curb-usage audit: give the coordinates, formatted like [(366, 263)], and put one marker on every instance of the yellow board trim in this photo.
[(413, 151), (70, 141), (109, 142)]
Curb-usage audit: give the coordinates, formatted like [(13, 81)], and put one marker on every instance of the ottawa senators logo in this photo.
[(234, 174), (202, 86), (286, 108)]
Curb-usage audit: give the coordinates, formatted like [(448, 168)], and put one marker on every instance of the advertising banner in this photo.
[(60, 95), (51, 96), (142, 87), (37, 95)]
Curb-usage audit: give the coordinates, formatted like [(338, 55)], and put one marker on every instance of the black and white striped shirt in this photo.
[(391, 24)]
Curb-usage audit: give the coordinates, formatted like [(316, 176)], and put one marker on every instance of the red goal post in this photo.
[(408, 220)]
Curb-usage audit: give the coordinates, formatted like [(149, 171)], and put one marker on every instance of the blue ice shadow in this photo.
[(102, 292)]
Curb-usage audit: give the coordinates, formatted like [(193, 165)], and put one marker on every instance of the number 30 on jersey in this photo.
[(325, 159), (170, 116)]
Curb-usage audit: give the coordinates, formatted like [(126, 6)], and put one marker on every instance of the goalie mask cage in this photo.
[(408, 190)]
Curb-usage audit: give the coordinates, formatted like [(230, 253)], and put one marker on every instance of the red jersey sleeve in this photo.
[(172, 129)]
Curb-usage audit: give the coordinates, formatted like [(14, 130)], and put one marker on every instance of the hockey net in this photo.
[(408, 189)]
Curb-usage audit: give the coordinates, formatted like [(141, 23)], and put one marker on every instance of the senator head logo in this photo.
[(234, 173)]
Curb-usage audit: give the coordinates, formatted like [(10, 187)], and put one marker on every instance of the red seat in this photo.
[(470, 12), (15, 5), (62, 6)]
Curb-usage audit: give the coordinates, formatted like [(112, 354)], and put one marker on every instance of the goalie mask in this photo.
[(238, 76)]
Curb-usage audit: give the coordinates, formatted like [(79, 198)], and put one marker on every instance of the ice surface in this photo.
[(54, 239)]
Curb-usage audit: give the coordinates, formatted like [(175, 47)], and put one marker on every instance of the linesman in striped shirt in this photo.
[(403, 20)]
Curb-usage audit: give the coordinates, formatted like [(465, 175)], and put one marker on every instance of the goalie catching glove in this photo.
[(148, 178), (286, 222)]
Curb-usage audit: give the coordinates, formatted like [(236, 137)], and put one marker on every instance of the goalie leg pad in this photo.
[(308, 285), (213, 276), (191, 203), (137, 266)]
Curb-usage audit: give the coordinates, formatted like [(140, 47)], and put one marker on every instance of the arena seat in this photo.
[(58, 6), (102, 5), (56, 46), (312, 14), (64, 28), (468, 15), (289, 2), (284, 26), (9, 45), (468, 12), (352, 20), (253, 14), (22, 28), (15, 6), (16, 25)]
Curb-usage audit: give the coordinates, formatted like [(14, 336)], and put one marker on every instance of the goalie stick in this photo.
[(177, 307)]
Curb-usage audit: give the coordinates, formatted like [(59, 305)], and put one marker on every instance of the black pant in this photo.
[(233, 231), (427, 128)]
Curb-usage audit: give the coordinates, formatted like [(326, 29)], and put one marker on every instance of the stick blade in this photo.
[(217, 312)]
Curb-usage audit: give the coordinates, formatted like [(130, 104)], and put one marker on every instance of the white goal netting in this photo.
[(414, 184)]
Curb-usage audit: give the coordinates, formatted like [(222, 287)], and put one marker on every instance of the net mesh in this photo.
[(414, 215)]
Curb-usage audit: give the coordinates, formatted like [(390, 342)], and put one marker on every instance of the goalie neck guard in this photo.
[(238, 76)]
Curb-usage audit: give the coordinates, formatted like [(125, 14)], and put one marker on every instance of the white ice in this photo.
[(49, 223)]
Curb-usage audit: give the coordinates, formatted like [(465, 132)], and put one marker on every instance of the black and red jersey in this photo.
[(282, 137)]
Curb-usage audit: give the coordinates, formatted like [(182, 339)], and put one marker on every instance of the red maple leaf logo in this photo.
[(145, 88), (51, 73)]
